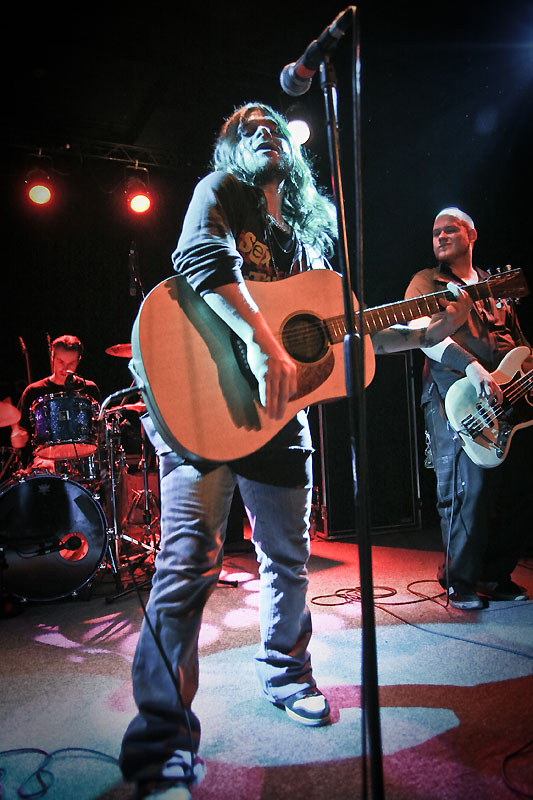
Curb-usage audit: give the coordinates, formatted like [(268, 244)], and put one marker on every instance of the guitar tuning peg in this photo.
[(508, 267), (498, 269)]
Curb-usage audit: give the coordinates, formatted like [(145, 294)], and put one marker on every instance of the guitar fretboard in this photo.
[(380, 317)]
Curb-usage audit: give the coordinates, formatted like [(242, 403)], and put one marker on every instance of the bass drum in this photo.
[(54, 536)]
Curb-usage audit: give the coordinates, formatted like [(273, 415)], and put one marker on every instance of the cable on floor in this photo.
[(43, 775)]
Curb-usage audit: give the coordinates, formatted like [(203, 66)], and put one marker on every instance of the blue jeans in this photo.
[(195, 507), (485, 513)]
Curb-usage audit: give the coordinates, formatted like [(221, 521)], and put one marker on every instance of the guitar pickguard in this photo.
[(304, 338), (486, 431), (305, 341)]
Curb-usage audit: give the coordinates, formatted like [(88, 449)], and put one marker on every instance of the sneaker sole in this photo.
[(468, 606), (312, 722)]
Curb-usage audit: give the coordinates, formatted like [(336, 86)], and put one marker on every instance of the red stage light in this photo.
[(137, 195), (39, 187)]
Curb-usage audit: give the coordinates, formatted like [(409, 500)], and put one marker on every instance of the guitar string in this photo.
[(513, 392), (301, 336), (422, 305), (338, 322), (522, 384)]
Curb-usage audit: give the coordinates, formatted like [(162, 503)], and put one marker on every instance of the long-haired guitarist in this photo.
[(484, 513), (257, 215)]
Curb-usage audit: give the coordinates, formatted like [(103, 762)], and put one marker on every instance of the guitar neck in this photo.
[(380, 317)]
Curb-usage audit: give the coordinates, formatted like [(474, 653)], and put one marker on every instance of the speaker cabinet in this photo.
[(393, 489)]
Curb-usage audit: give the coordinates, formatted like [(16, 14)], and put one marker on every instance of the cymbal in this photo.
[(121, 350), (9, 415), (139, 407)]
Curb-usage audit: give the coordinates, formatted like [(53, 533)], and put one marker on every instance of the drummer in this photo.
[(66, 353)]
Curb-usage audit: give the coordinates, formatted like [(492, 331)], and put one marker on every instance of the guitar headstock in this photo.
[(507, 282)]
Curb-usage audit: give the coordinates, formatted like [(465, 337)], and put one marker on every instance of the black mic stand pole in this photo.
[(135, 279), (354, 370)]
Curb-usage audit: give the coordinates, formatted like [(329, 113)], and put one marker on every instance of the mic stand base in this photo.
[(137, 587)]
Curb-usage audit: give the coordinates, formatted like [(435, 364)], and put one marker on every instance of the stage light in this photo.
[(298, 124), (300, 131), (137, 194), (39, 187)]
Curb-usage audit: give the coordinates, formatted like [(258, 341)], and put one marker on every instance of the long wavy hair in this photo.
[(305, 206)]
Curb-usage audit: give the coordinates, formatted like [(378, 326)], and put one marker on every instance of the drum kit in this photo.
[(86, 503)]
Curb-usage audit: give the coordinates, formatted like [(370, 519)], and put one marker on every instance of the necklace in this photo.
[(279, 223), (282, 246), (282, 234)]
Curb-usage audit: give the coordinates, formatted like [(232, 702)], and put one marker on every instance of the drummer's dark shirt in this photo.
[(43, 388)]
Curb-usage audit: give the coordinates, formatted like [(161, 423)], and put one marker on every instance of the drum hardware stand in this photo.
[(113, 532), (135, 281), (149, 505), (145, 495), (112, 547), (12, 457)]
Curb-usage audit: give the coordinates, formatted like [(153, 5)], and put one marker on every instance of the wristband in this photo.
[(456, 358)]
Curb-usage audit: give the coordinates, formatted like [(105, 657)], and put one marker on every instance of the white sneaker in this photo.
[(308, 707), (163, 791)]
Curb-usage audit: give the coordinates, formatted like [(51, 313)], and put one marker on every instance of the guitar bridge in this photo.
[(476, 426)]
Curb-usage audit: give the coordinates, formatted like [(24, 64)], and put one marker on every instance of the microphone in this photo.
[(43, 548), (72, 543), (73, 380), (132, 262), (296, 78)]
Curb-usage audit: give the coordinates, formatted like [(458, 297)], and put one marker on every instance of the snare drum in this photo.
[(53, 534), (82, 470), (64, 425)]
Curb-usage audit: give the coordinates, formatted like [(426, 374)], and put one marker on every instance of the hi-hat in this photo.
[(9, 415), (139, 407), (121, 350)]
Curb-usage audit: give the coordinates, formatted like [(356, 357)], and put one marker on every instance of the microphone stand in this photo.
[(26, 358), (50, 355), (135, 280), (354, 371)]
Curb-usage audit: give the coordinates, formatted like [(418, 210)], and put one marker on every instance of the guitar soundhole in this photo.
[(304, 338)]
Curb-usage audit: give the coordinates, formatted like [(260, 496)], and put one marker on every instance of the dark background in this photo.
[(445, 120)]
